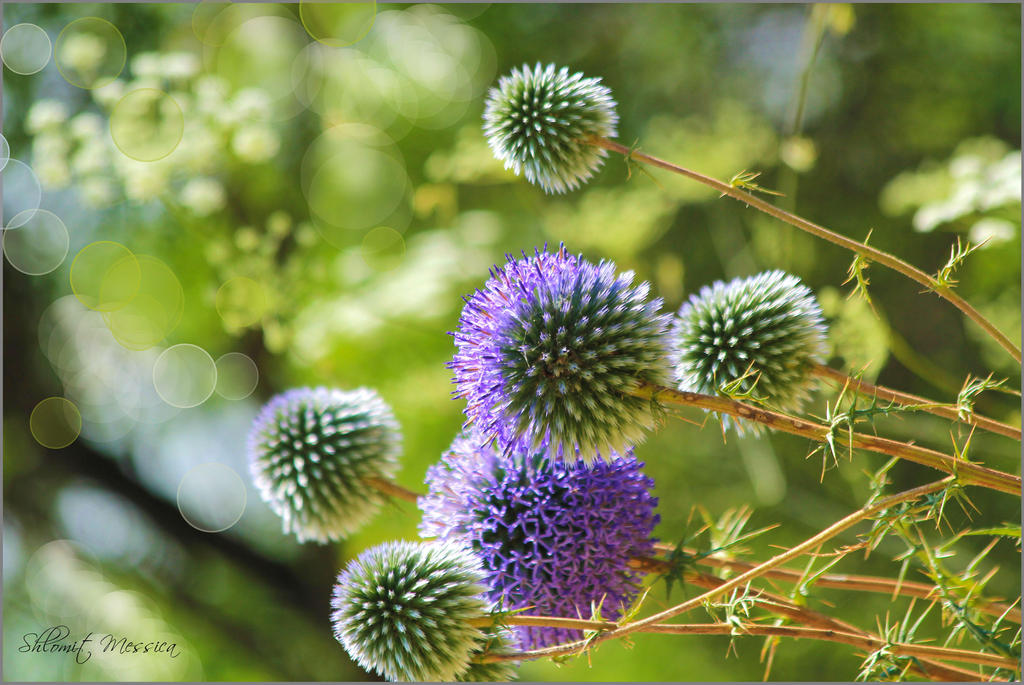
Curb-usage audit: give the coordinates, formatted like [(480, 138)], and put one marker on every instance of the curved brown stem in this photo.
[(780, 606), (946, 411), (874, 254), (839, 581), (966, 472), (862, 641)]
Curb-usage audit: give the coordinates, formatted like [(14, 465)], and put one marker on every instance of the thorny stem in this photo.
[(841, 581), (870, 643), (804, 547), (907, 400), (781, 606), (866, 251), (966, 472)]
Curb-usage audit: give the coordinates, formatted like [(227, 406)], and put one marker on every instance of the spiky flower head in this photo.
[(551, 350), (536, 122), (552, 536), (404, 610), (760, 335), (311, 451)]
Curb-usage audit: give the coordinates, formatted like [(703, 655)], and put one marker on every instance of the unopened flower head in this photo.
[(552, 536), (311, 451), (760, 335), (404, 610), (537, 122), (552, 348)]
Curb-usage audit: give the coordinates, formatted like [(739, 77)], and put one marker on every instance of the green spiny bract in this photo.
[(760, 335), (311, 451), (536, 122), (405, 610)]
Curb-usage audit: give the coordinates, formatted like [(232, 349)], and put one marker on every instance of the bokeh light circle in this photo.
[(261, 53), (383, 248), (154, 311), (237, 376), (147, 124), (55, 422), (105, 276), (354, 179), (22, 193), (5, 151), (337, 24), (184, 375), (205, 18), (50, 575), (90, 53), (39, 245), (25, 49), (241, 302), (211, 497)]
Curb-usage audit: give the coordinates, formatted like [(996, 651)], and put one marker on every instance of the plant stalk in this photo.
[(869, 643), (839, 581), (946, 411), (967, 472), (874, 254), (781, 606)]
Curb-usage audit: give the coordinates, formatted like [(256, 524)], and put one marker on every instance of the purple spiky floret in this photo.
[(553, 536), (552, 350)]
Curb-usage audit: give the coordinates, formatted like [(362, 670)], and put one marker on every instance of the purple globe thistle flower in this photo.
[(551, 535), (311, 451), (762, 334), (537, 122), (552, 348)]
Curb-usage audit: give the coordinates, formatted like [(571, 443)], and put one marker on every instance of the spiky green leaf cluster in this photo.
[(536, 121), (404, 610), (759, 336), (311, 452)]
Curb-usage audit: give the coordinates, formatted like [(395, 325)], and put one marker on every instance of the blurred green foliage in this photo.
[(899, 119)]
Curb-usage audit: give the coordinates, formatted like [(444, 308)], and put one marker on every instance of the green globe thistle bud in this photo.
[(404, 610), (536, 122), (311, 451), (761, 335)]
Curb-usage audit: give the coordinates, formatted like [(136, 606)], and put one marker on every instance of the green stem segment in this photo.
[(871, 253), (966, 472)]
